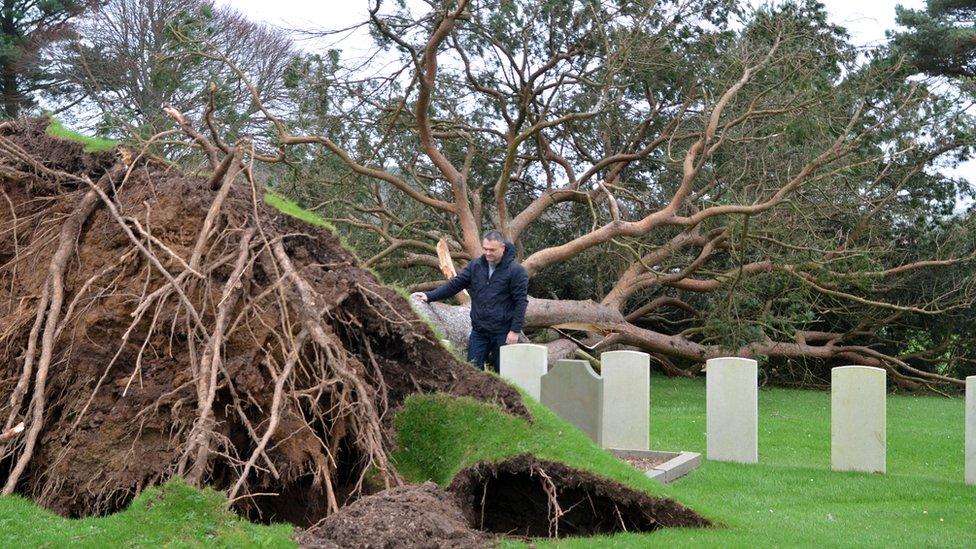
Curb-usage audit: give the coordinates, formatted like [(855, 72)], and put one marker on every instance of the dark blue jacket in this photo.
[(497, 305)]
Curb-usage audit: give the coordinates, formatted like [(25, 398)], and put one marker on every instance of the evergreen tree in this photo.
[(942, 37), (26, 26)]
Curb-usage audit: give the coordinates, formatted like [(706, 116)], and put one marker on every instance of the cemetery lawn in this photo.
[(790, 498)]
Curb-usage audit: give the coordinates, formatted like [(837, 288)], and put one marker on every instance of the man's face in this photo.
[(493, 250)]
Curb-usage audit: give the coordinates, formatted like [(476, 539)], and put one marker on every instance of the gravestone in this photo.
[(524, 365), (971, 430), (574, 392), (732, 410), (626, 400), (858, 439)]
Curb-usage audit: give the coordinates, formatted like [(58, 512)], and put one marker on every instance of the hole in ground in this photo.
[(527, 497), (302, 501)]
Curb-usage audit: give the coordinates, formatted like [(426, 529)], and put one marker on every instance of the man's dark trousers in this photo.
[(484, 347)]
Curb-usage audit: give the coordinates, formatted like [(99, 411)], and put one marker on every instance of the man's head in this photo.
[(493, 245)]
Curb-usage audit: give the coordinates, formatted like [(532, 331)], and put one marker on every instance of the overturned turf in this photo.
[(519, 497), (156, 324), (527, 497)]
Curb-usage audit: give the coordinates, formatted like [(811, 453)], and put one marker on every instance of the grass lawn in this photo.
[(790, 499), (174, 515)]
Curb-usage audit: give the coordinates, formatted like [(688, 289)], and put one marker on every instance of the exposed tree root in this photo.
[(166, 325)]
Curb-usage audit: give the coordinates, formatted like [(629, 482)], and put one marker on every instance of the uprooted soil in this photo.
[(155, 324), (409, 516), (123, 388)]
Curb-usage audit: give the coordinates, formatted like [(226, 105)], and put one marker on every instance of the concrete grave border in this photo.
[(678, 464)]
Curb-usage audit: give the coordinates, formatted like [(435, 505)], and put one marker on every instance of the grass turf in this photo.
[(172, 515), (92, 144)]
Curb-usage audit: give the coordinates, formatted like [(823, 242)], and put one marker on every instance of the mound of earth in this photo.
[(409, 516), (520, 497), (158, 324)]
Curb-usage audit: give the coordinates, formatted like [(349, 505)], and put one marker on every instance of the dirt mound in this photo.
[(526, 497), (520, 497), (154, 324), (409, 516)]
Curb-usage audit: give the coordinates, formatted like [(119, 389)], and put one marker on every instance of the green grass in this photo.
[(440, 435), (288, 207), (92, 144), (790, 499), (173, 515)]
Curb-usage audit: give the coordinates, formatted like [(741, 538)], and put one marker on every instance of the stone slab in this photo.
[(657, 474), (678, 464), (732, 410), (681, 465), (971, 430), (524, 365), (858, 438), (626, 400), (574, 392)]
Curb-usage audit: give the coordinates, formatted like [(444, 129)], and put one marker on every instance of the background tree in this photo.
[(941, 39), (26, 26), (130, 57)]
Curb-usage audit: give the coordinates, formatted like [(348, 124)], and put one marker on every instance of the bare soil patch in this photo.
[(644, 463)]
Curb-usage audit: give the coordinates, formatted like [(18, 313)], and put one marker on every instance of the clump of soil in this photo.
[(409, 516), (527, 497), (155, 324)]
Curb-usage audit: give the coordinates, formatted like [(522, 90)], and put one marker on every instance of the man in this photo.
[(499, 294)]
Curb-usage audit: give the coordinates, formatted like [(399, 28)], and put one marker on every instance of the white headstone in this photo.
[(524, 365), (626, 400), (971, 430), (575, 393), (858, 440), (732, 410)]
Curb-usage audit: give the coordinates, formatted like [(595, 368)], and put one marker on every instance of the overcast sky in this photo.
[(866, 20)]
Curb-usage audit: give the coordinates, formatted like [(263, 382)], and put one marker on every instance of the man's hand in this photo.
[(419, 296), (511, 338)]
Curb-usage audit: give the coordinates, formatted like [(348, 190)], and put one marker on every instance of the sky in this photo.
[(866, 20)]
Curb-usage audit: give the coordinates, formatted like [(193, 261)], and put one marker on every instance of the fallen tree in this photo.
[(753, 190)]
